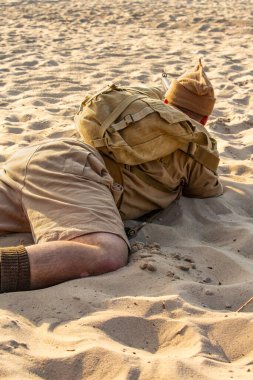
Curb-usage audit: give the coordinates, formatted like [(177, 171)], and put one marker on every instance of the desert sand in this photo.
[(172, 313)]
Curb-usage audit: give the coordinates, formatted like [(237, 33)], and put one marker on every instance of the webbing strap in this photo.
[(202, 155), (114, 168), (132, 118), (206, 158), (117, 111), (151, 181), (99, 143)]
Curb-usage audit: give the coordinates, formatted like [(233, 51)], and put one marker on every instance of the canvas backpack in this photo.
[(132, 126)]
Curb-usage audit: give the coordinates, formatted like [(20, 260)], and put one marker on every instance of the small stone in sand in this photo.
[(151, 267), (137, 246), (134, 249), (183, 267), (176, 256), (207, 280), (189, 259), (143, 265)]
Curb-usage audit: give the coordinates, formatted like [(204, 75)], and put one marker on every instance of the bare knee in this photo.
[(113, 261), (113, 255), (112, 252)]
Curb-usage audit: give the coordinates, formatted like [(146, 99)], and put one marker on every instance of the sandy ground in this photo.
[(180, 320)]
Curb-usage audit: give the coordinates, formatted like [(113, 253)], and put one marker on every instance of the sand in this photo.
[(172, 312)]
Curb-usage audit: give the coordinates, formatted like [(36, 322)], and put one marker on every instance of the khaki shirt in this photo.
[(178, 172)]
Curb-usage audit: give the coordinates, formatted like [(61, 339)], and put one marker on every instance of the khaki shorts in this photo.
[(58, 190)]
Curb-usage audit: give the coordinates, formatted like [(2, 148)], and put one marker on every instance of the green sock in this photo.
[(14, 269)]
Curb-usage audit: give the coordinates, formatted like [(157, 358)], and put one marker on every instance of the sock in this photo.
[(14, 269)]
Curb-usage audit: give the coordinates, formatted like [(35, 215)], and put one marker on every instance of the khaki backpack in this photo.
[(132, 125)]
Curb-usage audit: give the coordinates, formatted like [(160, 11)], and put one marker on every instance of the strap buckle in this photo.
[(128, 119), (132, 232)]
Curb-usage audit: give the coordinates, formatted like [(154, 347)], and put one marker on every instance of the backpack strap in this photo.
[(114, 168), (202, 155), (98, 143), (132, 118), (115, 171)]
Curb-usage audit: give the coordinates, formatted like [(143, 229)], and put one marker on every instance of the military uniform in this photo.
[(175, 175), (178, 173)]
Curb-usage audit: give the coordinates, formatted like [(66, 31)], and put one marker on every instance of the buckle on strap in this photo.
[(128, 119)]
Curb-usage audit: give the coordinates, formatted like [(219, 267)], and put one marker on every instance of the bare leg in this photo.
[(58, 261)]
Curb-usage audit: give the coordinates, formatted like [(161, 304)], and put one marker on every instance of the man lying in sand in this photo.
[(61, 192), (157, 183)]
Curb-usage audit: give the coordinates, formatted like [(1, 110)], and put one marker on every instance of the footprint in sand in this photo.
[(154, 335)]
